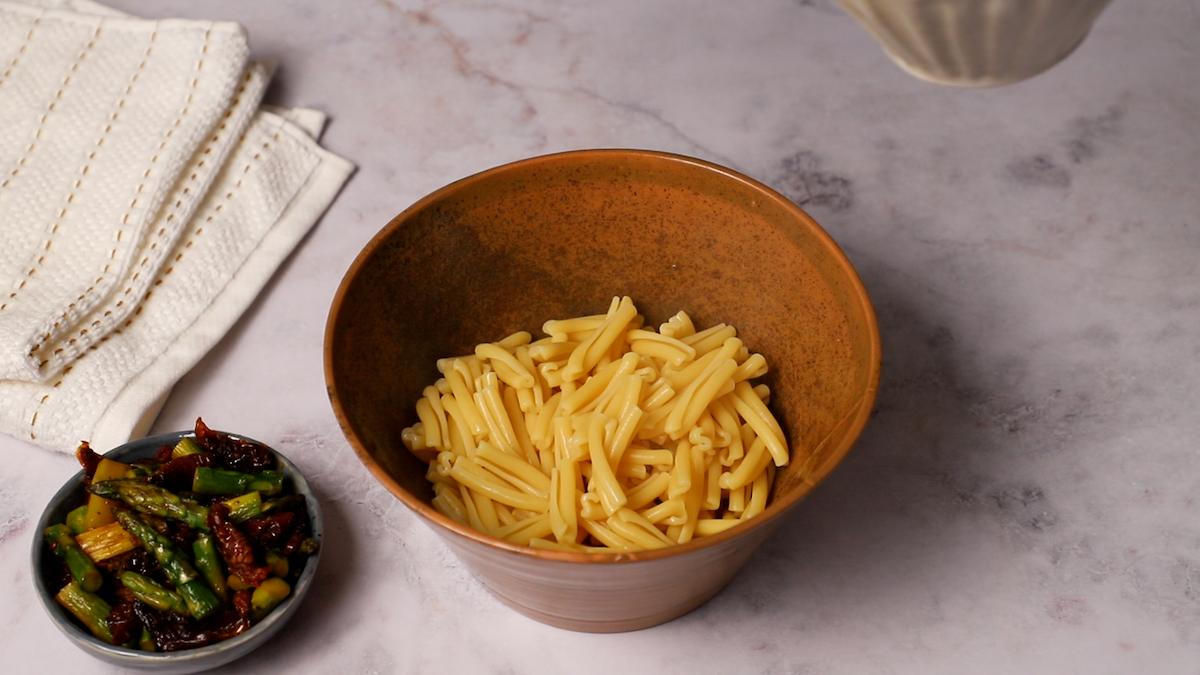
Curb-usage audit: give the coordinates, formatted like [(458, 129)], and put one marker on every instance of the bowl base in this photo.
[(977, 82), (624, 625)]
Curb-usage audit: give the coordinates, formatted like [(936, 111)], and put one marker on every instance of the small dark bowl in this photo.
[(188, 660)]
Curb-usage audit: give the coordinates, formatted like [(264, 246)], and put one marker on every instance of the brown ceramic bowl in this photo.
[(560, 235)]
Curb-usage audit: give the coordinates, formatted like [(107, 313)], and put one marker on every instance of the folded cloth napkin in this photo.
[(145, 199)]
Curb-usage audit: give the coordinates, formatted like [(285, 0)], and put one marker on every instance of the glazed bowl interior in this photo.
[(559, 236), (72, 494)]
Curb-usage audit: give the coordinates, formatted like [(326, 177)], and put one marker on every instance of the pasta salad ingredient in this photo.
[(603, 436), (151, 562)]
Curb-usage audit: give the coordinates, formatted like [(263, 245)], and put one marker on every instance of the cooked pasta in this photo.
[(603, 436)]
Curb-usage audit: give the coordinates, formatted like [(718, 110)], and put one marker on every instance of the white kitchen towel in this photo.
[(93, 322), (99, 117), (209, 226)]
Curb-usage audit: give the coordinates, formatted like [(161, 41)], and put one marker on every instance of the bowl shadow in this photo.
[(926, 463), (308, 629)]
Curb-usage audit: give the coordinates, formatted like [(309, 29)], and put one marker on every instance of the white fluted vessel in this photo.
[(976, 43)]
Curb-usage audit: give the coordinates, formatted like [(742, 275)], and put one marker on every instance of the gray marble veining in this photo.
[(1026, 497)]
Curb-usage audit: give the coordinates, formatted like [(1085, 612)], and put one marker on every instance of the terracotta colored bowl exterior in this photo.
[(560, 235)]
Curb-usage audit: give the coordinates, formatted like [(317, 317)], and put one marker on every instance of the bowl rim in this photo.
[(262, 630), (860, 413)]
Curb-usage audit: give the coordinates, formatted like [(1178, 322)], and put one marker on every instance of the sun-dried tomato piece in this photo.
[(235, 548), (124, 595), (117, 563), (163, 454), (177, 473), (170, 631), (88, 459), (234, 453), (143, 562), (237, 621), (300, 533), (267, 531), (123, 622), (180, 534)]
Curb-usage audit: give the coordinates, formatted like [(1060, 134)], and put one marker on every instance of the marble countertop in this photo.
[(1027, 496)]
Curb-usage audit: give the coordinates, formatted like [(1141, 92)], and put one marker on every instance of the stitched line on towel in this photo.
[(120, 232), (160, 234), (212, 214), (21, 51), (53, 105), (45, 397), (87, 165)]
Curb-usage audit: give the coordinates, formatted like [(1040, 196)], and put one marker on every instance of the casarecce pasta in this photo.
[(603, 436)]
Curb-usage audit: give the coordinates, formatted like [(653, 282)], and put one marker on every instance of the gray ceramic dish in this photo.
[(185, 661)]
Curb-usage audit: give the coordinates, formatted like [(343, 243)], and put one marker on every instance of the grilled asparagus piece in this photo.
[(199, 599), (209, 563), (77, 520), (147, 498), (152, 594), (245, 507), (186, 446), (91, 610), (83, 570), (210, 481)]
